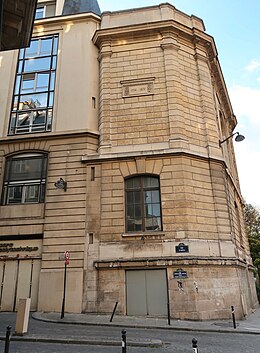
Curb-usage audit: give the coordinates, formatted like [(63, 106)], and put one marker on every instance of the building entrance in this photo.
[(146, 292)]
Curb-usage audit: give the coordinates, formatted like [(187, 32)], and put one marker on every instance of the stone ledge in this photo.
[(169, 262)]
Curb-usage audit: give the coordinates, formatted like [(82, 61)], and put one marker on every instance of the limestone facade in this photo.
[(138, 92)]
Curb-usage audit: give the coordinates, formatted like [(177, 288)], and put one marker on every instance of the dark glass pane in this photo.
[(137, 197), (31, 193), (137, 182), (138, 212), (151, 182), (49, 121), (12, 123), (129, 183), (133, 183), (14, 194), (129, 197), (130, 211), (130, 225), (25, 169), (37, 64), (42, 193)]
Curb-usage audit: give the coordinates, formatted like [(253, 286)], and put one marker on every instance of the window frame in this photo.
[(32, 108), (43, 12), (25, 184), (142, 189)]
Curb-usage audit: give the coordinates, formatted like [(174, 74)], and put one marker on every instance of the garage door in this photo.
[(146, 292)]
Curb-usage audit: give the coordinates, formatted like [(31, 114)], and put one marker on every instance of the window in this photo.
[(25, 178), (143, 205), (34, 87), (45, 10), (40, 12)]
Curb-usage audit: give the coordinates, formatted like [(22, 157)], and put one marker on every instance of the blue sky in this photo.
[(235, 26)]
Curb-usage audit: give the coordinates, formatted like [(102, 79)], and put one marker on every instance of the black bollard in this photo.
[(123, 341), (195, 345), (113, 313), (233, 316), (7, 339)]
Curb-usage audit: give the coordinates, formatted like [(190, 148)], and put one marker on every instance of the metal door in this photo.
[(146, 292), (19, 279)]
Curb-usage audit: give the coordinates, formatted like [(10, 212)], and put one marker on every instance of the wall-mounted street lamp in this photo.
[(238, 138), (61, 184)]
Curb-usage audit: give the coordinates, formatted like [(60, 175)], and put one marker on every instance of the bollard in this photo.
[(7, 339), (123, 341), (194, 345), (113, 313), (233, 316)]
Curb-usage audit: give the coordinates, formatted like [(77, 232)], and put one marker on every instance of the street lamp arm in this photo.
[(238, 138)]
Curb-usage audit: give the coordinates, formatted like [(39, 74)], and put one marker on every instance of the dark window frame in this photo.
[(26, 184), (145, 222), (28, 114)]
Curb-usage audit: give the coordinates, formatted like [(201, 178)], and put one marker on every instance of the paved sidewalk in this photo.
[(251, 325)]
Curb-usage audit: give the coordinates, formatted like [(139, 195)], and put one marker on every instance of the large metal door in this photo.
[(19, 279), (146, 292)]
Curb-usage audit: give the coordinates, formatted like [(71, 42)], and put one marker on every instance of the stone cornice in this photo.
[(47, 136), (162, 262)]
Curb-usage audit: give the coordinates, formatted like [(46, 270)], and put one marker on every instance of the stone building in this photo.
[(112, 128)]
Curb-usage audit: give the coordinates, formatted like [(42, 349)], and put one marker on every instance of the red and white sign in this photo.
[(66, 257)]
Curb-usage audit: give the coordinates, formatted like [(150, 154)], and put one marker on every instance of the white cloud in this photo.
[(253, 65), (246, 105), (249, 171)]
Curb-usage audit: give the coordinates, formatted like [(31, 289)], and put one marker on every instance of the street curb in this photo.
[(37, 316), (151, 343)]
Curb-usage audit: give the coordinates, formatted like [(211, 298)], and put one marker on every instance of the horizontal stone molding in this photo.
[(170, 262)]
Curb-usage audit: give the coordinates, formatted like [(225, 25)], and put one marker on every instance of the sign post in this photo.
[(66, 262)]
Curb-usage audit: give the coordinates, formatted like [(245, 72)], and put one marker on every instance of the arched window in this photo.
[(143, 204), (25, 178)]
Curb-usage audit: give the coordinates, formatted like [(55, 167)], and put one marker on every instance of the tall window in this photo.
[(143, 205), (25, 178), (34, 87)]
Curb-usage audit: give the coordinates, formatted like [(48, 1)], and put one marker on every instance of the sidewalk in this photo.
[(249, 326)]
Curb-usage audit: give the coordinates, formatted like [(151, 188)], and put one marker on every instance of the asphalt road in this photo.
[(173, 341), (179, 342)]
